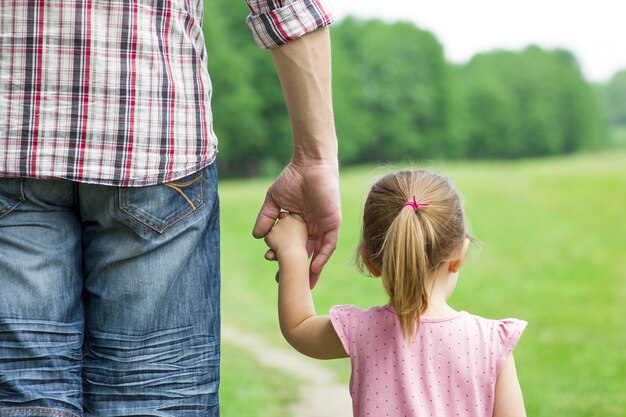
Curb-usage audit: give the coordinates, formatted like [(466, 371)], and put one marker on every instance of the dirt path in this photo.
[(320, 396)]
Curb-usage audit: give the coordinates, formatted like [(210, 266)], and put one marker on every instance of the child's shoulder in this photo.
[(347, 313), (499, 336), (501, 331), (352, 310), (356, 325), (507, 323)]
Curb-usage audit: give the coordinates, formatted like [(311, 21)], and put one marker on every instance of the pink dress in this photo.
[(450, 368)]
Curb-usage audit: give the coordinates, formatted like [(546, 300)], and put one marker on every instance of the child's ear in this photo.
[(371, 267), (457, 261), (368, 263)]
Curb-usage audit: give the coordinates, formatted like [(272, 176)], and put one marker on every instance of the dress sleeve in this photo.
[(509, 333), (276, 22), (340, 317)]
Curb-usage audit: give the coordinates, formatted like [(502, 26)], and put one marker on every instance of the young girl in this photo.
[(415, 356)]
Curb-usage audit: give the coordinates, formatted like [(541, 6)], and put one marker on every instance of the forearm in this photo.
[(295, 303), (304, 69), (308, 333)]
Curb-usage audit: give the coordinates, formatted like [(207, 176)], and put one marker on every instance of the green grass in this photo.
[(618, 136), (250, 390), (553, 252)]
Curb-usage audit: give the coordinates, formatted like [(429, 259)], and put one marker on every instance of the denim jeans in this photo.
[(109, 298)]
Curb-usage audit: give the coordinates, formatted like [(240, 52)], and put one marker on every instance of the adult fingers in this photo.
[(310, 249), (313, 278), (328, 246), (266, 217), (310, 246)]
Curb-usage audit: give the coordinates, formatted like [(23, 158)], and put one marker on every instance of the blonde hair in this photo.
[(408, 247)]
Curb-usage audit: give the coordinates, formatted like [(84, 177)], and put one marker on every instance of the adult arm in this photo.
[(309, 184)]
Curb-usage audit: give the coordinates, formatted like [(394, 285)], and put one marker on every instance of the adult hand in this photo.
[(311, 190)]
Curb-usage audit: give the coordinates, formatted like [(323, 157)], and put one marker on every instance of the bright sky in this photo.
[(595, 31)]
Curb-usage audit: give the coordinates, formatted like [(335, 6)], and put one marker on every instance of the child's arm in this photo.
[(508, 398), (308, 333)]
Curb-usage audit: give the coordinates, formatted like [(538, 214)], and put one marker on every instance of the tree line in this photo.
[(613, 97), (396, 96)]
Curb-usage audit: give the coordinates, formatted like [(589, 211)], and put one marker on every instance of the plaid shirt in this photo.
[(117, 92)]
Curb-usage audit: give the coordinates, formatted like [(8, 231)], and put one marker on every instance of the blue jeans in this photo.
[(109, 298)]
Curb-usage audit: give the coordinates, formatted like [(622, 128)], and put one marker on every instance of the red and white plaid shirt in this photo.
[(117, 92)]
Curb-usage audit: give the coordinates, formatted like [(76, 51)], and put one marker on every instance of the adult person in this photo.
[(109, 227)]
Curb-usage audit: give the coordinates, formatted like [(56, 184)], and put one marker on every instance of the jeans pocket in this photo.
[(11, 194), (160, 208)]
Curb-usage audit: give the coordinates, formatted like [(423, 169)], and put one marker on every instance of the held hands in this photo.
[(288, 236), (311, 190)]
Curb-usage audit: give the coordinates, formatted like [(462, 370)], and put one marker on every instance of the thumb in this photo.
[(266, 217)]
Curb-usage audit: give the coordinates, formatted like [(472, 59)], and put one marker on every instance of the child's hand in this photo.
[(290, 231)]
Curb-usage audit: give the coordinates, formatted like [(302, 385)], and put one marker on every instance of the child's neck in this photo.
[(438, 293), (438, 310)]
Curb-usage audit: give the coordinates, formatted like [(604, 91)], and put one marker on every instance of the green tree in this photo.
[(615, 99), (390, 91), (528, 103), (250, 118), (395, 96)]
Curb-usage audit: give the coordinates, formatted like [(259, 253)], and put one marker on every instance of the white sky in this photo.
[(595, 31)]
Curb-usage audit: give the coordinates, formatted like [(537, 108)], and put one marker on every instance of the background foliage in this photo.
[(396, 96), (553, 246)]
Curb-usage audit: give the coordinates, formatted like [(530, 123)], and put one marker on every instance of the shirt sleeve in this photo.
[(340, 318), (509, 332), (276, 22)]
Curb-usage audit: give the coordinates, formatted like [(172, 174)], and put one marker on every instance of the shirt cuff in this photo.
[(274, 23)]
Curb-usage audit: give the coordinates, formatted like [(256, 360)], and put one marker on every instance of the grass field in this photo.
[(552, 251), (250, 390)]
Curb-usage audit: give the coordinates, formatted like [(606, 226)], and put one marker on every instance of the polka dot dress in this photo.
[(449, 369)]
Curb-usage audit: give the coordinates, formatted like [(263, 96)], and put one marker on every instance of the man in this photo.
[(109, 227)]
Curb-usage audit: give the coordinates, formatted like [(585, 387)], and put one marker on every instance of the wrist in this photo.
[(291, 253), (308, 153), (305, 162)]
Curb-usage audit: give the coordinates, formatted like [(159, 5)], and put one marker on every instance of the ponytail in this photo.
[(406, 266), (407, 243)]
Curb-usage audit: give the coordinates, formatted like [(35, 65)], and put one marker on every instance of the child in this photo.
[(416, 356)]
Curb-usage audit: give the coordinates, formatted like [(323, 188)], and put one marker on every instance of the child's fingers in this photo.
[(298, 217), (270, 255)]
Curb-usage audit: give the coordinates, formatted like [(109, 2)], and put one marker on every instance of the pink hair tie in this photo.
[(416, 204)]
